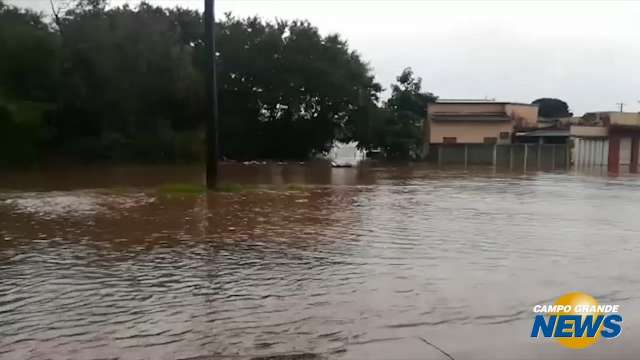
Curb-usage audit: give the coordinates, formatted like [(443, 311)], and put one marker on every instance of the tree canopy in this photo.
[(399, 130), (551, 107), (284, 83), (127, 84), (28, 50)]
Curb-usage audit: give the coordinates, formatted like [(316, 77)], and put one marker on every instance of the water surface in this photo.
[(351, 264)]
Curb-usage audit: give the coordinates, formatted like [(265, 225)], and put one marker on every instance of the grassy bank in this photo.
[(185, 189)]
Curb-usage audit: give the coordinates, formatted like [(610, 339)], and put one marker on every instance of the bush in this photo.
[(19, 141)]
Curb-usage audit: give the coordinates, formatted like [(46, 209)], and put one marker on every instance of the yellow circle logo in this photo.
[(584, 303), (577, 321)]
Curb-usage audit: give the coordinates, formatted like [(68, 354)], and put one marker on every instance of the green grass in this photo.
[(233, 188), (183, 189), (296, 187), (196, 189), (119, 190), (26, 111)]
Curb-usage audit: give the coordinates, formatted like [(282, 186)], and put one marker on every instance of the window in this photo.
[(505, 135), (490, 140), (449, 140)]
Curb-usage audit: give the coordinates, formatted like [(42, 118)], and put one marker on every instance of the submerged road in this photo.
[(359, 263)]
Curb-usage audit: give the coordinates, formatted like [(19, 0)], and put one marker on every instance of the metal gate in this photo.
[(590, 152)]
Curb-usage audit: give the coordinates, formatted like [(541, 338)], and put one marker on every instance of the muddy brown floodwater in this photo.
[(368, 263)]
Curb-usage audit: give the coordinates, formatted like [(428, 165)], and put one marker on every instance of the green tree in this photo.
[(127, 82), (29, 53), (28, 79), (551, 107), (398, 126), (286, 89)]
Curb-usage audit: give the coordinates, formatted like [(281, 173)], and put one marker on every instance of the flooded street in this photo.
[(350, 263)]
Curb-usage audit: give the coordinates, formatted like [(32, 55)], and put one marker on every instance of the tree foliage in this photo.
[(127, 84), (28, 51), (399, 128), (551, 107), (28, 78), (286, 89)]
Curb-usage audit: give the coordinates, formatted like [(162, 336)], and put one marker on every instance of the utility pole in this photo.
[(621, 105), (211, 95)]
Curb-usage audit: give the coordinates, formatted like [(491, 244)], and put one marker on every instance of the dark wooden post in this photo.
[(614, 153), (635, 142), (211, 95)]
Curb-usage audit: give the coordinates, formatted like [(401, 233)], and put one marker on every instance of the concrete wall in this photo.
[(511, 156), (475, 132), (625, 151), (589, 152), (622, 119), (465, 108), (588, 131), (524, 116), (468, 132)]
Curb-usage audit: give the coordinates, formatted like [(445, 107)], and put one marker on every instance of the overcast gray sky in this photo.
[(584, 52)]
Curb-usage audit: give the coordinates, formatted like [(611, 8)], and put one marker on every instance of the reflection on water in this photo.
[(356, 264)]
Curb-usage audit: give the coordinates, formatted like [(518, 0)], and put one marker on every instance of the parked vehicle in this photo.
[(345, 154)]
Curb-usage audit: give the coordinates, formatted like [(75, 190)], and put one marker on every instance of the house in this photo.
[(490, 132), (504, 134), (607, 138), (477, 121)]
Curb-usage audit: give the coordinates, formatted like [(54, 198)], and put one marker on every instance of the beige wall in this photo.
[(523, 115), (447, 108), (468, 132), (607, 118), (588, 131), (624, 119)]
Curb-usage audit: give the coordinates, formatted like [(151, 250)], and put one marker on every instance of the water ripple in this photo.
[(91, 274)]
